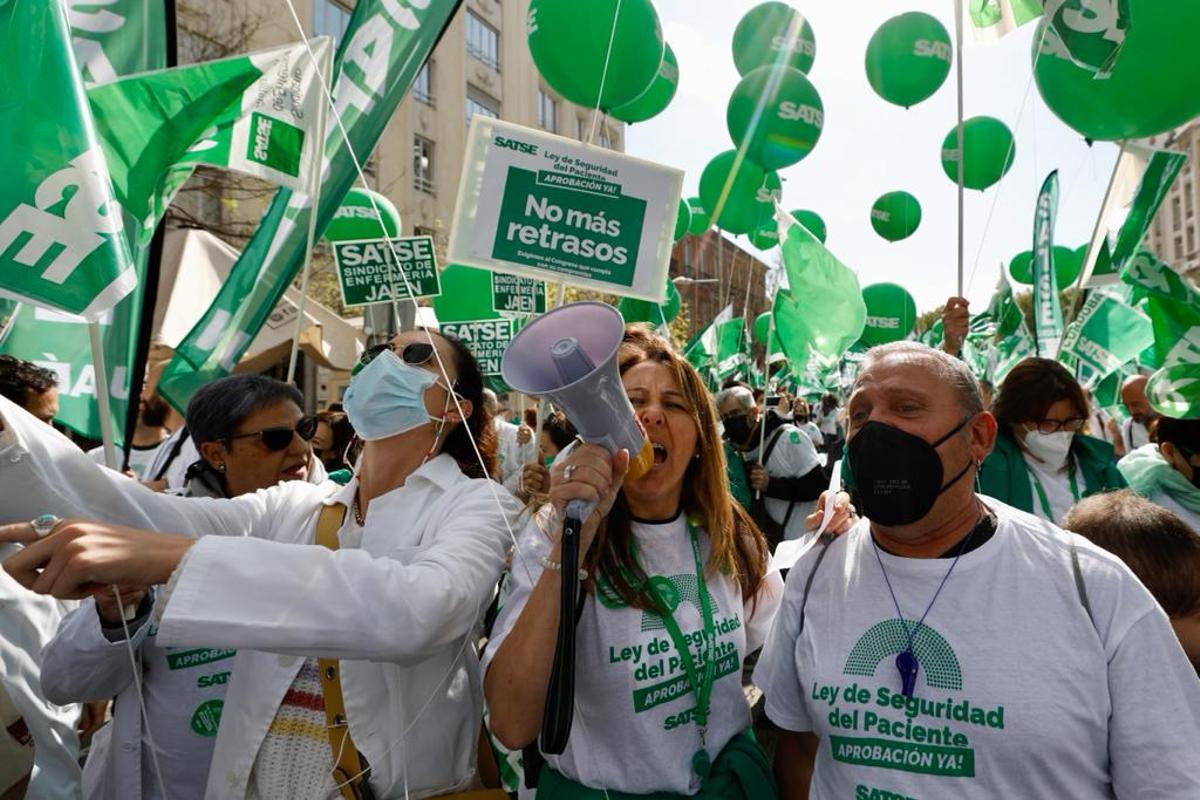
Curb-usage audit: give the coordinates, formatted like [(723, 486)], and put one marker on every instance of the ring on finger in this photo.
[(44, 525), (568, 472)]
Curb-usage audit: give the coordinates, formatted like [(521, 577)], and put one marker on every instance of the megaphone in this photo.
[(570, 356)]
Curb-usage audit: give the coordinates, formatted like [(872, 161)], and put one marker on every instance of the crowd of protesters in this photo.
[(921, 587)]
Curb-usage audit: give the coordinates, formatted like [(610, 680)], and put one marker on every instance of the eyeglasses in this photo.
[(1073, 425), (414, 354), (277, 439)]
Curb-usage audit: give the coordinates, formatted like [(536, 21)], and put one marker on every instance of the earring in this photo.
[(696, 455), (221, 468)]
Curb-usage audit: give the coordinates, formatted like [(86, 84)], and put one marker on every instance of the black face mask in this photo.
[(898, 475), (737, 430)]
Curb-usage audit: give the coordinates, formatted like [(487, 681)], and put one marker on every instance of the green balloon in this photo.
[(765, 197), (791, 118), (762, 327), (658, 94), (765, 237), (466, 295), (988, 152), (570, 39), (812, 221), (1147, 91), (1067, 263), (700, 221), (891, 313), (908, 58), (1020, 269), (643, 311), (739, 206), (896, 215), (356, 218), (773, 33), (683, 220)]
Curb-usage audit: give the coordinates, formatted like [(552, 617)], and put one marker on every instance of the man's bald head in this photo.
[(942, 368), (1133, 397)]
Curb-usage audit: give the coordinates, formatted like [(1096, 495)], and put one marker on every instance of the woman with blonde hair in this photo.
[(677, 594)]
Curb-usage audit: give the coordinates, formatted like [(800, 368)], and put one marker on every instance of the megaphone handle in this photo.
[(559, 710)]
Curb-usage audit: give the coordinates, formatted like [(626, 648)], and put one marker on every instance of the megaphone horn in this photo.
[(570, 356)]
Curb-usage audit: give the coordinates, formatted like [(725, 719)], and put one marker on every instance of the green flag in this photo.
[(112, 38), (702, 352), (1173, 307), (61, 240), (1010, 351), (731, 357), (1175, 391), (1087, 33), (823, 311), (992, 19), (383, 48), (1107, 334), (1003, 308), (1047, 313)]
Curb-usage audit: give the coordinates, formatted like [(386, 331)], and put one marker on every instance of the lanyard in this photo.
[(701, 686), (1041, 493)]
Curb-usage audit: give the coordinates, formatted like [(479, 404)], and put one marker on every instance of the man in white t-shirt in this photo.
[(788, 474), (514, 443), (952, 646), (1135, 431)]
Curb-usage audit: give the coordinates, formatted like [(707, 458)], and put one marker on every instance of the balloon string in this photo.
[(612, 36), (137, 685)]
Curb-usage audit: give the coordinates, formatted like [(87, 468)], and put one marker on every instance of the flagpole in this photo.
[(1089, 258), (315, 199), (958, 63), (101, 381)]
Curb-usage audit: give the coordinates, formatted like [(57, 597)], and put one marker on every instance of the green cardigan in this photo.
[(1006, 477)]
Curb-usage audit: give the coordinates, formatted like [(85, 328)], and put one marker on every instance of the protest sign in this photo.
[(543, 206), (383, 270), (512, 294), (487, 339)]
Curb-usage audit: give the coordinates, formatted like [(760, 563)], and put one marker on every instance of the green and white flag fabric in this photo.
[(120, 37), (1108, 333), (731, 357), (1173, 307), (272, 132), (1047, 313), (1175, 391), (62, 243), (112, 38), (1088, 33), (702, 353), (824, 313), (382, 50), (1142, 177), (1010, 351), (989, 20), (1003, 308)]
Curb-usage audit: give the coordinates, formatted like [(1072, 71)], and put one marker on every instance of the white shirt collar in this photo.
[(441, 470)]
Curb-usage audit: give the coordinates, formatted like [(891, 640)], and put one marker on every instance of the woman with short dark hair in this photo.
[(1043, 462), (1167, 471)]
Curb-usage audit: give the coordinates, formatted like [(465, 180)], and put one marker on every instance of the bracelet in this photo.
[(557, 567)]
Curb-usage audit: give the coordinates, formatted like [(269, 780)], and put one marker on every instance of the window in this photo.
[(605, 138), (1191, 240), (330, 18), (1187, 199), (580, 128), (422, 165), (482, 104), (483, 41), (1176, 213), (547, 112), (423, 85), (421, 230), (1178, 247)]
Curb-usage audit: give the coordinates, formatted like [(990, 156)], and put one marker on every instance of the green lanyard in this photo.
[(1041, 493), (661, 589)]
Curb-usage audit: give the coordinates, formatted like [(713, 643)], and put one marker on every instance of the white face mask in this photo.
[(1051, 448)]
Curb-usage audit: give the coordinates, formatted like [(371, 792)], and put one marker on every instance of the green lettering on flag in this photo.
[(1047, 313), (1088, 33), (1173, 307), (62, 243), (1107, 334), (384, 46), (1175, 391)]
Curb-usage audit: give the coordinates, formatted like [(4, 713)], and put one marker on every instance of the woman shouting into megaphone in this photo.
[(677, 594)]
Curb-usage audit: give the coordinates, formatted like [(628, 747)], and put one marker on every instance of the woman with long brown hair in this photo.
[(677, 594)]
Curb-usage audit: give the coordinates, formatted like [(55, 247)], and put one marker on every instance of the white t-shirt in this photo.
[(1057, 486), (1019, 693), (792, 457), (139, 457), (828, 422), (633, 730), (1135, 435)]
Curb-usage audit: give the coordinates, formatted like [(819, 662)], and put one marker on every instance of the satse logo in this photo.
[(513, 144), (927, 49)]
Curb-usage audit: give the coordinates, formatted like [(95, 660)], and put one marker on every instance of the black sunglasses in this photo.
[(414, 354), (277, 439)]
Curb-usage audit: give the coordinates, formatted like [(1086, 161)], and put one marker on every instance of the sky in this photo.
[(869, 146)]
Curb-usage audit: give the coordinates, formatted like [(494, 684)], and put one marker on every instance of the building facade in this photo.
[(712, 272), (1174, 235)]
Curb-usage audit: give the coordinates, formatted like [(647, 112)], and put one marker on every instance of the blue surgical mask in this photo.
[(387, 397)]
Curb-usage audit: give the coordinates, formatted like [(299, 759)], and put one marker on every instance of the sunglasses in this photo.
[(277, 439), (415, 354)]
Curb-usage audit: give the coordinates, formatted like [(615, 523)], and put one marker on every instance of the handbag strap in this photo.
[(348, 766)]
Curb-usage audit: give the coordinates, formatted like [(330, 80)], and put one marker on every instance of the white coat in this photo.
[(398, 603)]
